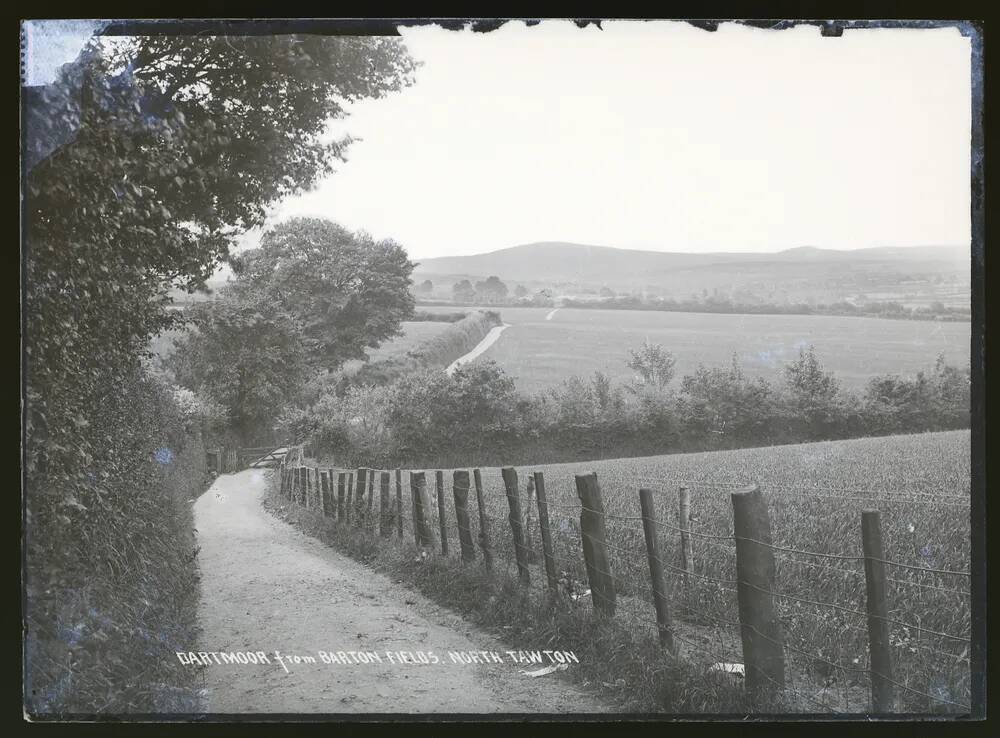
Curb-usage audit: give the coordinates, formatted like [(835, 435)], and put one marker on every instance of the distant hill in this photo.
[(805, 271)]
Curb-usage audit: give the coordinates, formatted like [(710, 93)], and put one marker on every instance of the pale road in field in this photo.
[(549, 316), (267, 587), (488, 340)]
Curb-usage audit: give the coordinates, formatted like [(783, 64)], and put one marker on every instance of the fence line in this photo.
[(585, 544)]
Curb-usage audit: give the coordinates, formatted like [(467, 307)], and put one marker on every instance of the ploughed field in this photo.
[(541, 353), (815, 494)]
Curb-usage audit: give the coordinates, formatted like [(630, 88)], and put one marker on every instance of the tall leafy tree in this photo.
[(348, 290), (248, 355)]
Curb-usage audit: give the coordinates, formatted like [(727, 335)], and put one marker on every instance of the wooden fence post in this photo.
[(399, 503), (341, 483), (760, 628), (484, 522), (656, 569), (880, 661), (460, 490), (543, 523), (385, 513), (684, 523), (509, 475), (529, 545), (442, 520), (595, 543), (324, 492), (349, 508), (360, 481), (421, 503), (371, 496)]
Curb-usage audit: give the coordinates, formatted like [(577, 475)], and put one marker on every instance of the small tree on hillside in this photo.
[(812, 395), (520, 291), (654, 365), (426, 286)]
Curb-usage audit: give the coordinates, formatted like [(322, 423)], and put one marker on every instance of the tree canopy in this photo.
[(248, 355), (348, 290), (149, 155)]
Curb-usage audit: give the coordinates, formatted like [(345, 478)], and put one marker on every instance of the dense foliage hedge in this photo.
[(477, 417), (111, 580)]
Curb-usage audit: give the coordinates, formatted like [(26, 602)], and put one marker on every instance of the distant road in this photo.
[(549, 316), (488, 340)]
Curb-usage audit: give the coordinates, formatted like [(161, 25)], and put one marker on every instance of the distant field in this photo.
[(540, 353), (815, 493), (414, 334)]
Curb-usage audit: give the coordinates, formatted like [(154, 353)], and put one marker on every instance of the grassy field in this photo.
[(540, 353), (815, 493), (415, 333)]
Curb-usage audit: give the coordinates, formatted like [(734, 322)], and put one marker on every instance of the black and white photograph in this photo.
[(502, 369)]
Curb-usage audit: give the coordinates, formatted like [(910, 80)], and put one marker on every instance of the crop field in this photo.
[(815, 494), (541, 353)]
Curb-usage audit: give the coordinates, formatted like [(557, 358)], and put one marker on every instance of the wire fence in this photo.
[(817, 578)]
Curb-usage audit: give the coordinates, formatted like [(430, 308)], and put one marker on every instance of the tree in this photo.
[(607, 292), (463, 291), (426, 286), (520, 291), (812, 395), (148, 155), (950, 387), (492, 290), (249, 355), (654, 364), (348, 290)]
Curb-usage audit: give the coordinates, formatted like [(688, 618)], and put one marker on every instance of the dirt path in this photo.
[(488, 340), (267, 587)]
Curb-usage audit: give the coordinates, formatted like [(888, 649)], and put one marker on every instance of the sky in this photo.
[(657, 136)]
